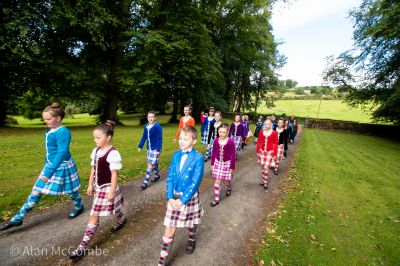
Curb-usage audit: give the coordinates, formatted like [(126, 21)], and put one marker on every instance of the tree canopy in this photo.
[(136, 55), (371, 71)]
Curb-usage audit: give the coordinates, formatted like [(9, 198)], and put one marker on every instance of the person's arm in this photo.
[(63, 137), (196, 180), (232, 151), (143, 139), (210, 133), (159, 138), (179, 129), (89, 191), (276, 142), (171, 178), (214, 153)]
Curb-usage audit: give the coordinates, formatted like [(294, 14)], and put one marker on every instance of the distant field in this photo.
[(331, 109), (344, 208)]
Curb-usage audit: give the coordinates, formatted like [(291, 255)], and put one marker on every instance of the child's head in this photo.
[(237, 118), (281, 122), (103, 133), (187, 109), (211, 111), (260, 119), (286, 122), (188, 137), (217, 116), (202, 112), (151, 117), (53, 114), (243, 118), (223, 131), (267, 124)]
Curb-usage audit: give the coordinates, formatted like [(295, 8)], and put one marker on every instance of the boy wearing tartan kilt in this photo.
[(267, 148), (223, 161), (152, 134), (183, 207)]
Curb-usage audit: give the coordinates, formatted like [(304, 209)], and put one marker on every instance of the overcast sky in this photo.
[(310, 31)]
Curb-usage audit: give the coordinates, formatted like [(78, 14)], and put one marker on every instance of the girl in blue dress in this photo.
[(59, 175)]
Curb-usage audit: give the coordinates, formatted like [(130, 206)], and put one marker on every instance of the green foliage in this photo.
[(372, 70)]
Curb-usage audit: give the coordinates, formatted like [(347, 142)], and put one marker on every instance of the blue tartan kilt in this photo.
[(64, 181), (152, 157), (204, 139)]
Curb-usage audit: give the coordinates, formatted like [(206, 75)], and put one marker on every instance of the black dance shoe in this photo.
[(75, 213), (9, 224)]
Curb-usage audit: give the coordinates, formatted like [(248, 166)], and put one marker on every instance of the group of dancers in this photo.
[(223, 142)]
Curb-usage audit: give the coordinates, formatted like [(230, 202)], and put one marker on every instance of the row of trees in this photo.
[(371, 71), (136, 54)]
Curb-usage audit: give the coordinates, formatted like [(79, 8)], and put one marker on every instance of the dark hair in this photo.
[(223, 125), (152, 112), (107, 128), (211, 109), (188, 106), (55, 109), (192, 130)]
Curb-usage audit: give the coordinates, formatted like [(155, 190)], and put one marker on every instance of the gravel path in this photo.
[(224, 238)]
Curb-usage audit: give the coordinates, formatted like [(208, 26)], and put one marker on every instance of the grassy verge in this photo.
[(24, 151), (344, 208)]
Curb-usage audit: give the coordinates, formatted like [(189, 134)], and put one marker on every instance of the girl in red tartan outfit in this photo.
[(223, 161), (108, 200), (267, 147)]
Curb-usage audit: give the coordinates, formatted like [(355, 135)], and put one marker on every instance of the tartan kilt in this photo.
[(238, 141), (204, 139), (265, 159), (102, 206), (188, 215), (65, 180), (152, 157), (279, 154), (221, 170)]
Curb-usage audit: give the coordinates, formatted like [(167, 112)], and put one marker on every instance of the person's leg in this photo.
[(191, 243), (208, 154), (148, 175), (90, 230), (166, 244), (121, 220), (157, 173), (18, 218), (77, 200), (217, 191), (228, 187), (265, 175)]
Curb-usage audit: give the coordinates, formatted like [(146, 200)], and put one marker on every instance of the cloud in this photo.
[(301, 12)]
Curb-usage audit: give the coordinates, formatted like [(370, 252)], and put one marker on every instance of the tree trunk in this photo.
[(175, 108), (117, 55)]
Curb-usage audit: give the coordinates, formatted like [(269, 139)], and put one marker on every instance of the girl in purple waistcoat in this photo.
[(108, 200), (223, 161)]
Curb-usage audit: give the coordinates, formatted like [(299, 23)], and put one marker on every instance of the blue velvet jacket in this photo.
[(153, 138), (57, 150), (188, 180)]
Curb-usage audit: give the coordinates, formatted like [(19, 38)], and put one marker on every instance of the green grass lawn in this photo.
[(344, 208), (331, 109), (24, 151)]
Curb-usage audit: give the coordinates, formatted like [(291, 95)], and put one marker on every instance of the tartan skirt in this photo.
[(221, 170), (65, 180), (204, 139), (188, 215), (152, 157), (238, 141), (265, 159), (102, 206)]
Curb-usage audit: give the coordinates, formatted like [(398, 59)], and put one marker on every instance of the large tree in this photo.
[(371, 72)]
